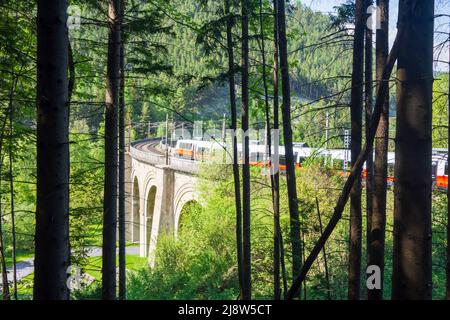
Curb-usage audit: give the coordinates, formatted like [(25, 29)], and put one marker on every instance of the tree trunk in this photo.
[(378, 222), (15, 80), (278, 236), (355, 171), (354, 264), (122, 231), (110, 187), (368, 72), (277, 241), (273, 183), (413, 184), (448, 192), (53, 163), (11, 188), (325, 261), (237, 184), (5, 283), (287, 134), (246, 281)]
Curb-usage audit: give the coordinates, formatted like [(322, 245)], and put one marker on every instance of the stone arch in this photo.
[(149, 213), (184, 194), (136, 207), (149, 179)]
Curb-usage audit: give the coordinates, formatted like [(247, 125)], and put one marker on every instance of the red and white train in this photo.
[(335, 158)]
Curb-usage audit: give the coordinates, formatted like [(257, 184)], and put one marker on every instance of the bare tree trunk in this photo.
[(378, 221), (278, 235), (354, 264), (122, 231), (246, 281), (277, 241), (11, 180), (368, 72), (274, 175), (413, 184), (6, 292), (283, 265), (327, 274), (110, 187), (448, 193), (53, 162), (71, 88), (11, 188), (287, 133), (237, 184), (5, 283), (355, 171)]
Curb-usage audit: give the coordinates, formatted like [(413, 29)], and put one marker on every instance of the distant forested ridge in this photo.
[(317, 70)]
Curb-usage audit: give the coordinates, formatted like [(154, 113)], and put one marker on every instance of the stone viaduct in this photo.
[(159, 188)]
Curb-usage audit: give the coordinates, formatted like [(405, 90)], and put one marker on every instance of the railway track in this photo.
[(150, 146)]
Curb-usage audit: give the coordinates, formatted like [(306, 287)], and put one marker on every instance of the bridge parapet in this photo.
[(147, 157), (183, 165), (152, 158)]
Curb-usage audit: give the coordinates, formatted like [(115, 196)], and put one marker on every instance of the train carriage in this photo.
[(336, 158), (185, 149)]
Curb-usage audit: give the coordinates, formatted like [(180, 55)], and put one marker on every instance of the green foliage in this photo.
[(345, 14), (440, 111), (439, 229), (200, 263), (17, 98), (92, 292), (86, 192)]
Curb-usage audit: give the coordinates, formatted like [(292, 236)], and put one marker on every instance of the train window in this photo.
[(446, 169), (282, 160)]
